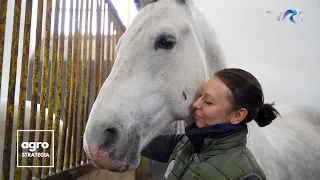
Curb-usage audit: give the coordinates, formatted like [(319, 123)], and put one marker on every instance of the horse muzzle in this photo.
[(101, 158), (113, 149)]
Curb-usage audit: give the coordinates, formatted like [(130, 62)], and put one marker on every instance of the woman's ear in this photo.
[(239, 115)]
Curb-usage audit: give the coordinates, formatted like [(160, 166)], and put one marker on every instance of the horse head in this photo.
[(162, 60)]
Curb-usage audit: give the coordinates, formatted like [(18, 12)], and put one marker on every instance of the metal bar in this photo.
[(35, 83), (3, 17), (108, 40), (111, 43), (70, 78), (98, 45), (44, 86), (62, 157), (74, 174), (121, 33), (11, 92), (114, 43), (23, 84), (89, 70), (118, 33), (83, 87), (116, 15), (102, 46), (76, 74), (59, 161), (52, 91)]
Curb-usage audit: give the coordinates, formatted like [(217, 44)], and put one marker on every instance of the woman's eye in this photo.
[(207, 102)]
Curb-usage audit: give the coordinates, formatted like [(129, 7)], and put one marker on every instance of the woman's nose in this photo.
[(197, 104)]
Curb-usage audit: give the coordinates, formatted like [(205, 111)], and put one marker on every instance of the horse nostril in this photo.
[(111, 132), (111, 136)]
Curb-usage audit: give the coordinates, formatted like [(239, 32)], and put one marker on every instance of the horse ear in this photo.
[(141, 3), (189, 3), (138, 4)]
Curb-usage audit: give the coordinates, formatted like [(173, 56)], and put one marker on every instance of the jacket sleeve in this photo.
[(161, 147)]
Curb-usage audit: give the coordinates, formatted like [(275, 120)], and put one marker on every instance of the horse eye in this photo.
[(165, 42)]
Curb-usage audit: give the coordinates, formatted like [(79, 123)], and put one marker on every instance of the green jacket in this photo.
[(227, 158), (218, 152)]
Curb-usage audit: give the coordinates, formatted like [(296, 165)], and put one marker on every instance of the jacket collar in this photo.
[(212, 135)]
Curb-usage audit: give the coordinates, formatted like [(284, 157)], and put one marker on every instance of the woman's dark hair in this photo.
[(247, 93)]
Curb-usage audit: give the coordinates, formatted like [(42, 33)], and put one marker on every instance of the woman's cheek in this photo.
[(200, 123)]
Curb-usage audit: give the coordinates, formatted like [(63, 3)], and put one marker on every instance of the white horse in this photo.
[(3, 109), (163, 59)]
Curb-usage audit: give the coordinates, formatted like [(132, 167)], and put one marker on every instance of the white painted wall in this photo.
[(285, 57)]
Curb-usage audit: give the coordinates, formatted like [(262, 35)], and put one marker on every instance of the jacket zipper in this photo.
[(188, 165)]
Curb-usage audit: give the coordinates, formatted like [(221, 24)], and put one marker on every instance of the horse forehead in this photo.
[(152, 20), (160, 11)]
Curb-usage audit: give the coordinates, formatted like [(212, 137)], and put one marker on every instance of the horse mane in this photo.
[(142, 3)]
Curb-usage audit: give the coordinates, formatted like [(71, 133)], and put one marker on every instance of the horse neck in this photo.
[(214, 58)]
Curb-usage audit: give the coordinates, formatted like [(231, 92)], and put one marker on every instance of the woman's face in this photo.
[(214, 104)]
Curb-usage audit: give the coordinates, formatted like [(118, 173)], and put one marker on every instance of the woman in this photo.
[(214, 146)]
